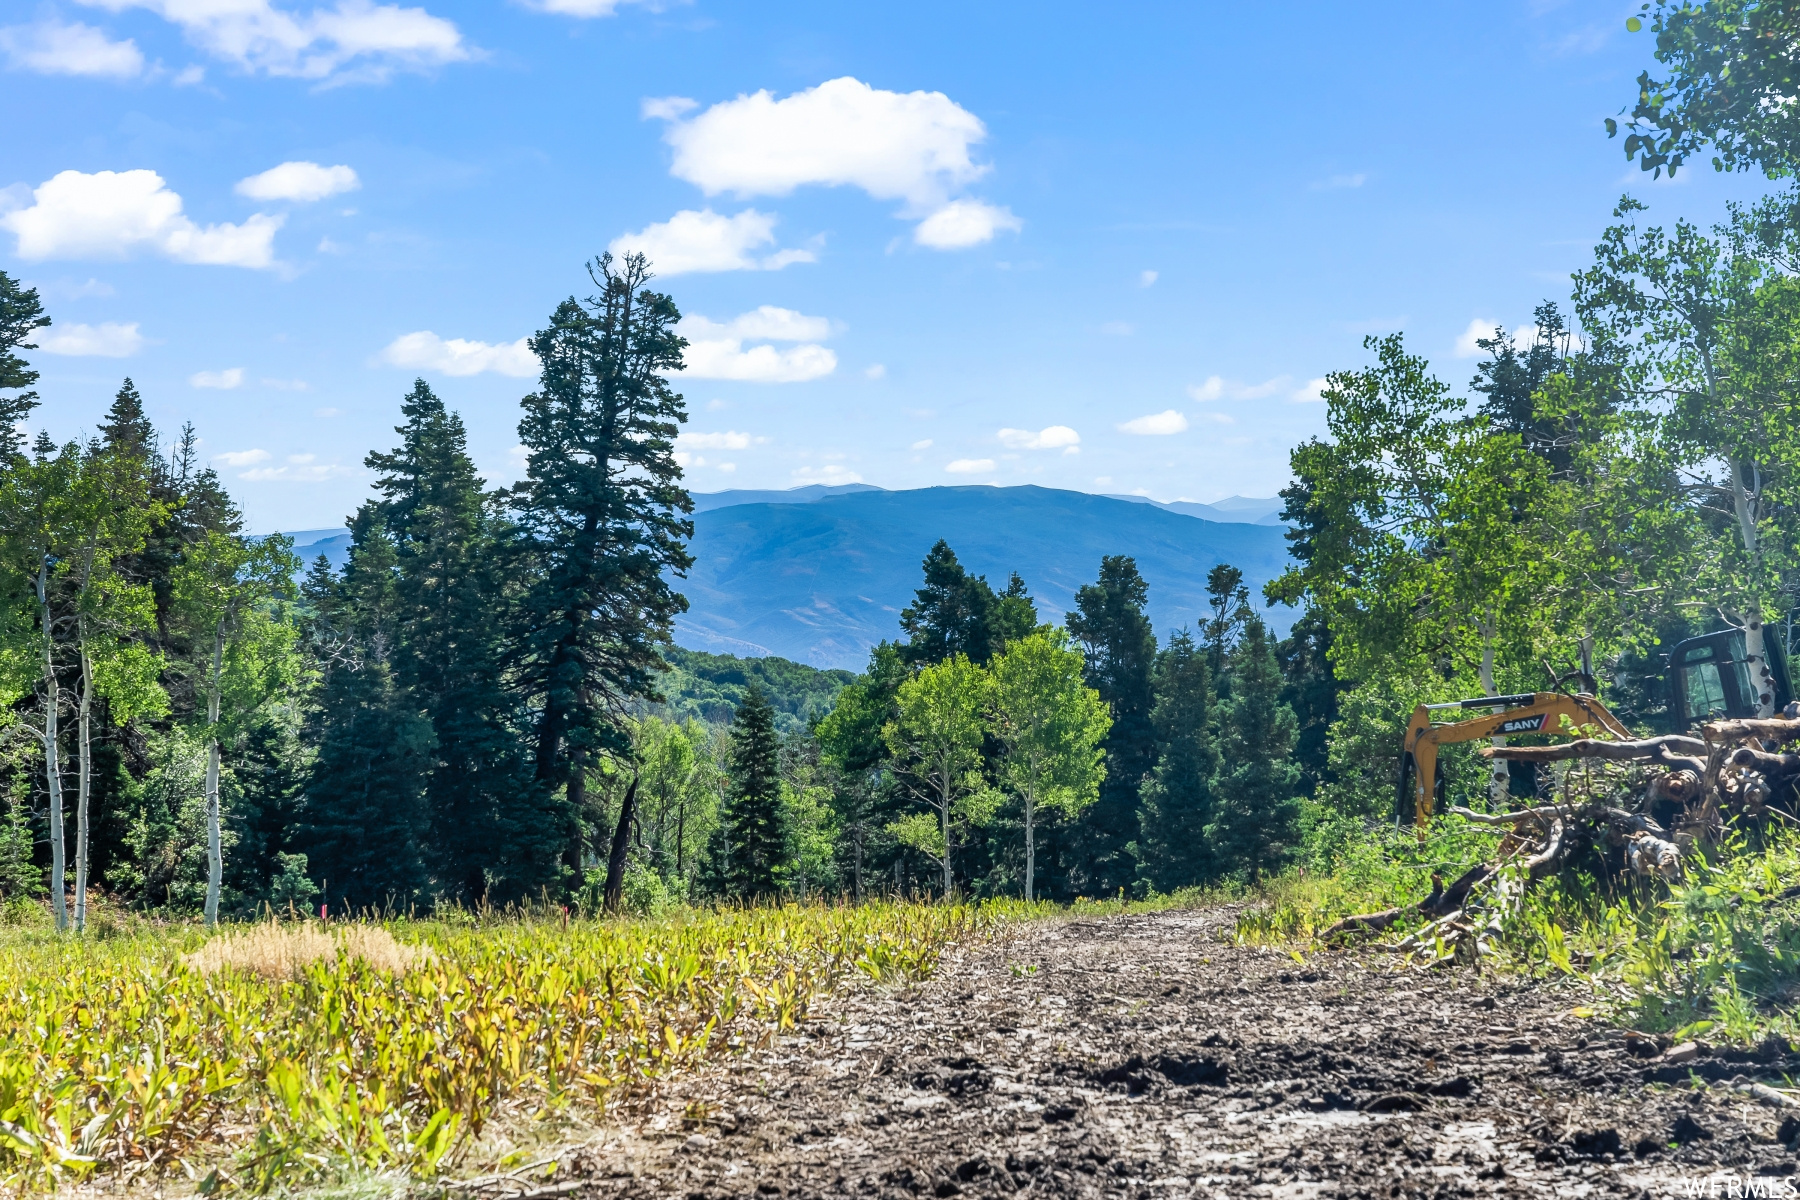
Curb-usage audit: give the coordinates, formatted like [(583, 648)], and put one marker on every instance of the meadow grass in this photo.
[(278, 1054)]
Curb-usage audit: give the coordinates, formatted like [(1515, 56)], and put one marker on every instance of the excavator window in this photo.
[(1705, 690)]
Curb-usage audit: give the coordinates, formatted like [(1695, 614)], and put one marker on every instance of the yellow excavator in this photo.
[(1421, 787), (1708, 678)]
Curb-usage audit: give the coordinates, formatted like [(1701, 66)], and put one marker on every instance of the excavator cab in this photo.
[(1709, 680)]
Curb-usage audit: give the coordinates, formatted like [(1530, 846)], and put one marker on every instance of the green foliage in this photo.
[(21, 315), (294, 1055), (1049, 726), (953, 613), (604, 518), (1731, 79), (1110, 623), (1177, 804), (709, 687), (936, 739), (755, 821), (1255, 810)]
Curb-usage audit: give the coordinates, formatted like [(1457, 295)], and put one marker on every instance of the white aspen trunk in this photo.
[(1499, 780), (1756, 651), (215, 860), (1030, 840), (59, 899), (82, 789), (944, 812)]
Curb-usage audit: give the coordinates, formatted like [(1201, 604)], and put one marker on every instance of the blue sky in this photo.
[(1106, 248)]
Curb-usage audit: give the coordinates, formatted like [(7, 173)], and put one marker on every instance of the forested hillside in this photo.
[(479, 700)]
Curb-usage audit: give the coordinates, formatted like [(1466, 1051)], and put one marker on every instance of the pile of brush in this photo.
[(1642, 804)]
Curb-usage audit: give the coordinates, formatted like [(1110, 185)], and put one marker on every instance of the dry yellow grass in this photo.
[(275, 951)]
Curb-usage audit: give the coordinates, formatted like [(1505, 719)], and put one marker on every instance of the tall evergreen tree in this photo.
[(1255, 819), (1229, 601), (126, 430), (953, 613), (21, 315), (1177, 797), (604, 517), (363, 823), (491, 835), (1015, 614), (754, 818), (1110, 623), (1311, 688)]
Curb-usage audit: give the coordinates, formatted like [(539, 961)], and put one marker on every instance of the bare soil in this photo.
[(1144, 1056)]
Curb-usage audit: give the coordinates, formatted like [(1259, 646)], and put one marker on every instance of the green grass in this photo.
[(1715, 954), (118, 1059)]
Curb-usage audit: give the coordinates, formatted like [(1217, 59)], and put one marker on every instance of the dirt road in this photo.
[(1141, 1056)]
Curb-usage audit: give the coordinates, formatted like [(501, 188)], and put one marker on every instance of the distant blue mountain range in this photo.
[(822, 580), (819, 574)]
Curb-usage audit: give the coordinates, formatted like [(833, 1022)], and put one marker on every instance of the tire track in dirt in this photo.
[(1143, 1056)]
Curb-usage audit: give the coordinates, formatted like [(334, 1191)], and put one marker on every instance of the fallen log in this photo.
[(1442, 902), (1778, 728), (1775, 766), (1550, 857), (1657, 749)]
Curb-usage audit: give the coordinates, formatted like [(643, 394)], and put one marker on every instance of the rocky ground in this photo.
[(1144, 1056)]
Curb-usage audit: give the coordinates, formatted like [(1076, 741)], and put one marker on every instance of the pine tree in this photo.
[(491, 834), (1015, 614), (1256, 813), (758, 837), (953, 613), (605, 525), (21, 315), (1111, 624), (363, 822), (126, 430), (1311, 688), (1177, 797), (1229, 600)]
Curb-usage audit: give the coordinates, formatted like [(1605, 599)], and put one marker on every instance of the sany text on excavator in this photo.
[(1528, 712)]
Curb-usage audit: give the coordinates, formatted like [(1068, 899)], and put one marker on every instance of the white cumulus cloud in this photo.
[(910, 146), (716, 349), (708, 241), (1217, 388), (1311, 391), (53, 48), (242, 458), (915, 147), (579, 8), (728, 359), (1479, 329), (106, 340), (963, 223), (969, 466), (1054, 437), (426, 351), (1156, 424), (355, 41), (111, 214), (1146, 278), (299, 468), (766, 323), (730, 439), (224, 380), (300, 182)]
